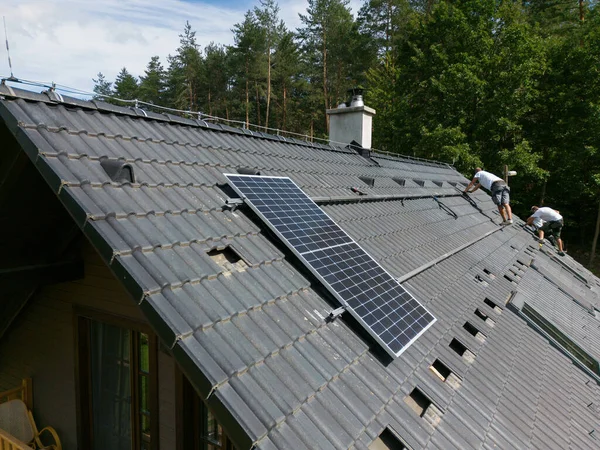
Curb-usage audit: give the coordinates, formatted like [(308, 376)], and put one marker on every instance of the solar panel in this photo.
[(374, 297)]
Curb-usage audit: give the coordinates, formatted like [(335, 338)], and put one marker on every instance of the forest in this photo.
[(469, 82)]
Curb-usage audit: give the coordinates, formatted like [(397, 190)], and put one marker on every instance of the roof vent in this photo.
[(248, 171), (463, 351), (438, 183), (368, 181), (423, 406), (388, 440), (445, 373), (118, 171), (419, 182), (452, 183), (400, 181)]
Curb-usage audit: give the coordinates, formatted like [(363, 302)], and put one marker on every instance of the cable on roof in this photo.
[(445, 207)]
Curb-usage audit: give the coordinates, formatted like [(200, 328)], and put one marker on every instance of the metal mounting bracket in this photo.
[(233, 203), (335, 314)]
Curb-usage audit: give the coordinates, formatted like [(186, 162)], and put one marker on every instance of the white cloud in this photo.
[(70, 41)]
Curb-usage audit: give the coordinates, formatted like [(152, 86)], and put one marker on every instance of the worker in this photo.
[(500, 192), (538, 223), (553, 224)]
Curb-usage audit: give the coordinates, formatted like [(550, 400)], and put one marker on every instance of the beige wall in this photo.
[(40, 344)]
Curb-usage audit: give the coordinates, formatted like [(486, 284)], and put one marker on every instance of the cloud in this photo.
[(70, 41)]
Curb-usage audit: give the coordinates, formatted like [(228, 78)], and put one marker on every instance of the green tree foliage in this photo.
[(153, 83), (469, 69), (126, 86), (215, 90), (271, 30), (185, 72), (331, 46), (102, 87), (287, 83), (248, 53)]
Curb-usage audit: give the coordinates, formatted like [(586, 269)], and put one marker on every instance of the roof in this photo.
[(255, 342)]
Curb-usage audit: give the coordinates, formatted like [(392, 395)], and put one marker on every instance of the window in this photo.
[(574, 350), (117, 385), (200, 428)]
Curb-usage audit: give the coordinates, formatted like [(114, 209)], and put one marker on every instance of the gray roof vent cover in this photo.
[(118, 170), (248, 171)]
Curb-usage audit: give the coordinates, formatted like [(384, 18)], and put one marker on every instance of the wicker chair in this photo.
[(18, 430)]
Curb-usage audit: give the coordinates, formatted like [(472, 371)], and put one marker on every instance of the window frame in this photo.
[(83, 318), (190, 409)]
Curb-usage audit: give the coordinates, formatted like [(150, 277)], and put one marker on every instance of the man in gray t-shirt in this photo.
[(500, 192)]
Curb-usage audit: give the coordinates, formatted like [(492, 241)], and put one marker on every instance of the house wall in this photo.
[(40, 344)]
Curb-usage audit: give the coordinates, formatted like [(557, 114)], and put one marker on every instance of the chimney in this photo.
[(351, 121)]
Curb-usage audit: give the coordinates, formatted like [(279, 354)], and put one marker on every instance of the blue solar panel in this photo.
[(375, 298)]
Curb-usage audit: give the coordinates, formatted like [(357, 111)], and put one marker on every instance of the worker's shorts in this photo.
[(554, 228), (500, 193)]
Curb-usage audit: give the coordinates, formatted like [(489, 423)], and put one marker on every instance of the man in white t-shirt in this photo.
[(500, 192), (553, 224)]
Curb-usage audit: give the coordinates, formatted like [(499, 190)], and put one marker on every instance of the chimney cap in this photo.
[(358, 90)]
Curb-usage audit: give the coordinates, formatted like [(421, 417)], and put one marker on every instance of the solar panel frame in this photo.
[(344, 287)]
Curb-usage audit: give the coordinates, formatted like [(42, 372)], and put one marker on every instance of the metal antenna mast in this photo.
[(12, 77)]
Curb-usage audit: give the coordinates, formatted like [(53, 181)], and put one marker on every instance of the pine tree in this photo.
[(248, 54), (329, 39), (184, 72), (102, 87), (153, 83), (272, 28), (217, 76), (286, 71), (126, 85)]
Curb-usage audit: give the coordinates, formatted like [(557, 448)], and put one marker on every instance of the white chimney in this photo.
[(351, 121)]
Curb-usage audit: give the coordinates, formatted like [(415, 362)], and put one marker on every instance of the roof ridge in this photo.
[(53, 98)]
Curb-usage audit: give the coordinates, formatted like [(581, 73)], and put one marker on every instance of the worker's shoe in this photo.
[(506, 222), (561, 253), (541, 241)]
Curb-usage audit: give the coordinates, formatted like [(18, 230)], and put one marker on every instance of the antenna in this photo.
[(12, 77)]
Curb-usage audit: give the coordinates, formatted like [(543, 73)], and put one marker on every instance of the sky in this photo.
[(70, 41)]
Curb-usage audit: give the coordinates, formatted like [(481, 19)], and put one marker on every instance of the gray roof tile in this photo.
[(255, 342)]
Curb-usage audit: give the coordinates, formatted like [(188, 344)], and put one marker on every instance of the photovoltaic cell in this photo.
[(386, 310)]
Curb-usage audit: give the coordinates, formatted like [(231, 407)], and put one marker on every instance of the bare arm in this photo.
[(471, 184), (530, 220)]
